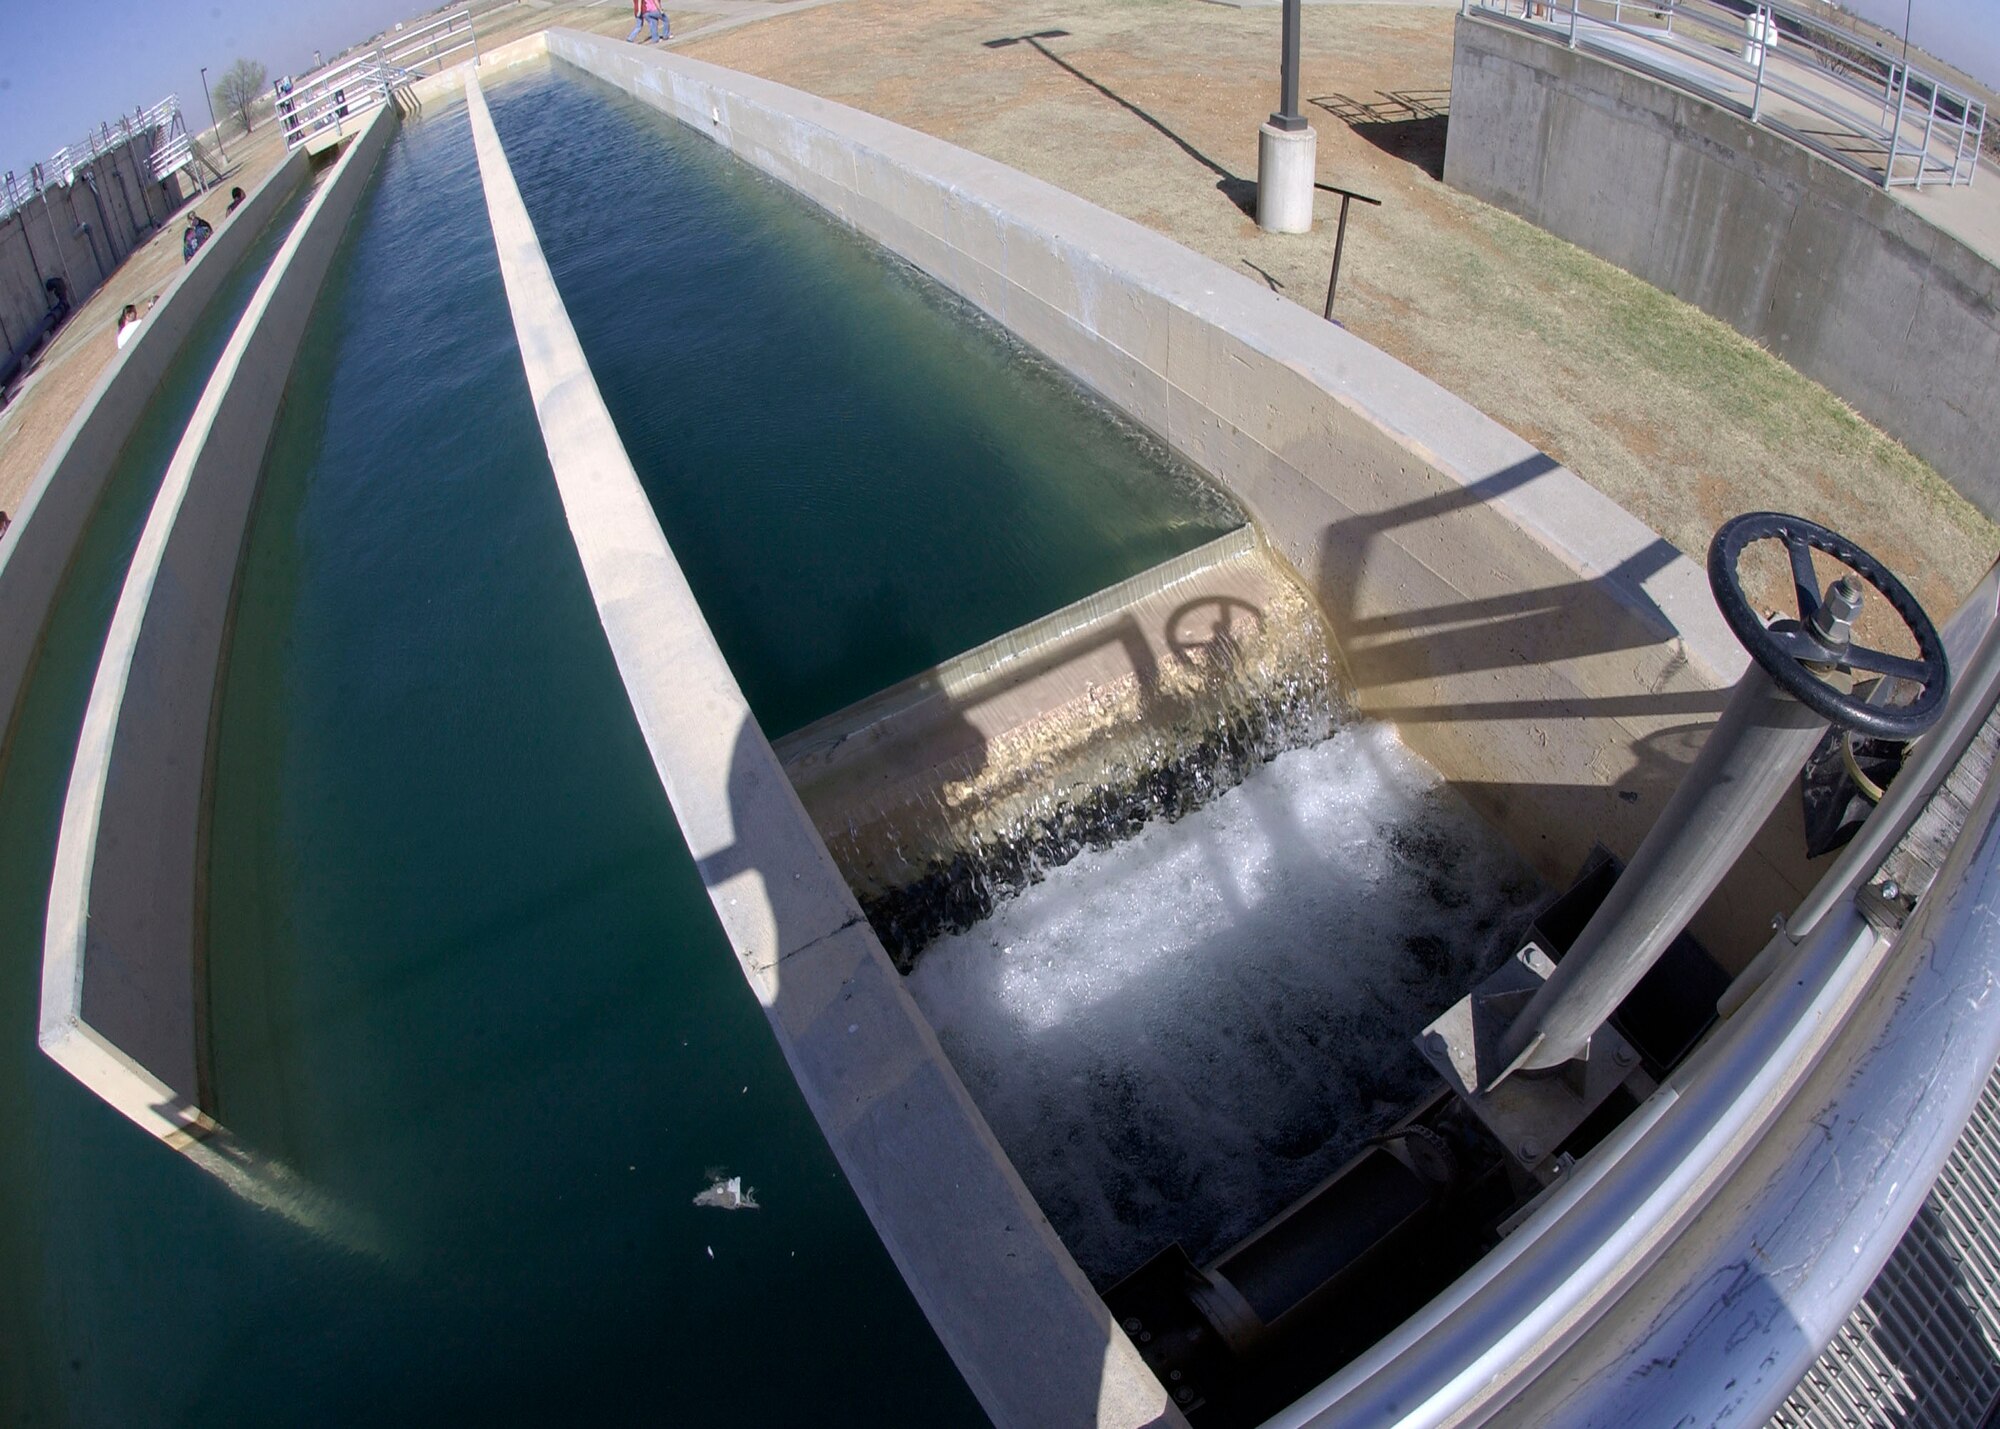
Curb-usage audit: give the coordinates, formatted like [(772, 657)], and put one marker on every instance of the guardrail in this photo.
[(347, 89), (60, 167), (1784, 69)]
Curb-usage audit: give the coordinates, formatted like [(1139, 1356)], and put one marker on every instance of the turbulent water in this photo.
[(1176, 1036)]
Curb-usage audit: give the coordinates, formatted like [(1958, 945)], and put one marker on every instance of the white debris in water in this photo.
[(728, 1194), (1175, 1037)]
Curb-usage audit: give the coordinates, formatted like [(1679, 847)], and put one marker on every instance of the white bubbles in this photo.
[(1175, 1036)]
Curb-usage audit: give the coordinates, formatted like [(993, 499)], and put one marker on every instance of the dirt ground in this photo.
[(68, 368), (1150, 108)]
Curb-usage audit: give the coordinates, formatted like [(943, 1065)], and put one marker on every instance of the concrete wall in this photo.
[(47, 237), (1852, 288), (1023, 1325), (36, 549), (1550, 655), (120, 976)]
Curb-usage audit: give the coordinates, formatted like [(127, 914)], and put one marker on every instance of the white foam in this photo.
[(1175, 1037)]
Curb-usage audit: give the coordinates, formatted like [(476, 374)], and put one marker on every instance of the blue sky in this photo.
[(66, 65), (1964, 32)]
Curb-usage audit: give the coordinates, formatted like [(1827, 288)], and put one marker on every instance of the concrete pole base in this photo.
[(1286, 163)]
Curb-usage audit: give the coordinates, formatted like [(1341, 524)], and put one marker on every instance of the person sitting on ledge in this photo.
[(235, 202), (197, 233), (128, 324)]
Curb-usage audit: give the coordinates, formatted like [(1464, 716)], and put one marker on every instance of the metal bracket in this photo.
[(1531, 1114), (1885, 905)]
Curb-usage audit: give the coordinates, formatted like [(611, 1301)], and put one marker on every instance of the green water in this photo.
[(114, 1258), (472, 1015), (859, 476), (465, 983)]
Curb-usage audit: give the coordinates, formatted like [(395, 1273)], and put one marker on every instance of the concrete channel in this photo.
[(36, 550), (1550, 656), (121, 1008)]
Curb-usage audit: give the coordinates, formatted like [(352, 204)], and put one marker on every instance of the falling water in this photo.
[(1175, 1034)]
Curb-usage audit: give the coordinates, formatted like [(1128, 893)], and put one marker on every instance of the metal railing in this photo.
[(161, 118), (1784, 69), (352, 86)]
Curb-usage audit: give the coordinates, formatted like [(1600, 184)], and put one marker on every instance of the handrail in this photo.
[(353, 85), (1925, 130)]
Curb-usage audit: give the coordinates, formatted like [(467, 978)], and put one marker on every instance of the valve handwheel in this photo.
[(1789, 650)]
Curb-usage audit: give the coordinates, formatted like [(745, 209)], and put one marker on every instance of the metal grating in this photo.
[(1922, 1349)]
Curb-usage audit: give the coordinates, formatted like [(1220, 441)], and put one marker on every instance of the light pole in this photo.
[(1287, 147), (214, 126)]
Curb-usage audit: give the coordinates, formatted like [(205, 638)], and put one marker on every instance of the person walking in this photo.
[(656, 12), (638, 22)]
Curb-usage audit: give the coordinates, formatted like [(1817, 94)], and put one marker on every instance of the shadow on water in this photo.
[(1406, 124), (1238, 190)]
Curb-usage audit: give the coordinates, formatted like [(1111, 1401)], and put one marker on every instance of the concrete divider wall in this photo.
[(1549, 654), (36, 550), (121, 1007), (1032, 1339), (1851, 287)]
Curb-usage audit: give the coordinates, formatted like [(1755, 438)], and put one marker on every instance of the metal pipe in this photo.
[(1620, 1202), (78, 225), (1766, 27), (1930, 124), (61, 257), (1288, 117), (1896, 129), (103, 223), (1753, 755), (1339, 242)]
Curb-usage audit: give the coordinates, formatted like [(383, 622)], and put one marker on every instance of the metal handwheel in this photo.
[(1790, 651)]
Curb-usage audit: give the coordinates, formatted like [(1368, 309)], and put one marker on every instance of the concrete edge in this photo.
[(1033, 1340), (1585, 531), (132, 810), (36, 551), (448, 85), (975, 668)]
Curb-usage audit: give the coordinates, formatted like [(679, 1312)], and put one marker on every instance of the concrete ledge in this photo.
[(1854, 289), (964, 778), (1033, 1340), (36, 551), (1549, 654), (121, 1008)]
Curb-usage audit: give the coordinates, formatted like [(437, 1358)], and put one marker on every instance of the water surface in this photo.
[(860, 476)]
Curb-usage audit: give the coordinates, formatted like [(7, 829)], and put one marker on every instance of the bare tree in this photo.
[(240, 86)]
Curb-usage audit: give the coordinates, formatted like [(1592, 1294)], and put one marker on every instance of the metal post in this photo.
[(214, 127), (1753, 755), (1766, 27), (1930, 124), (1339, 242), (1574, 7), (1288, 117), (1896, 129)]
